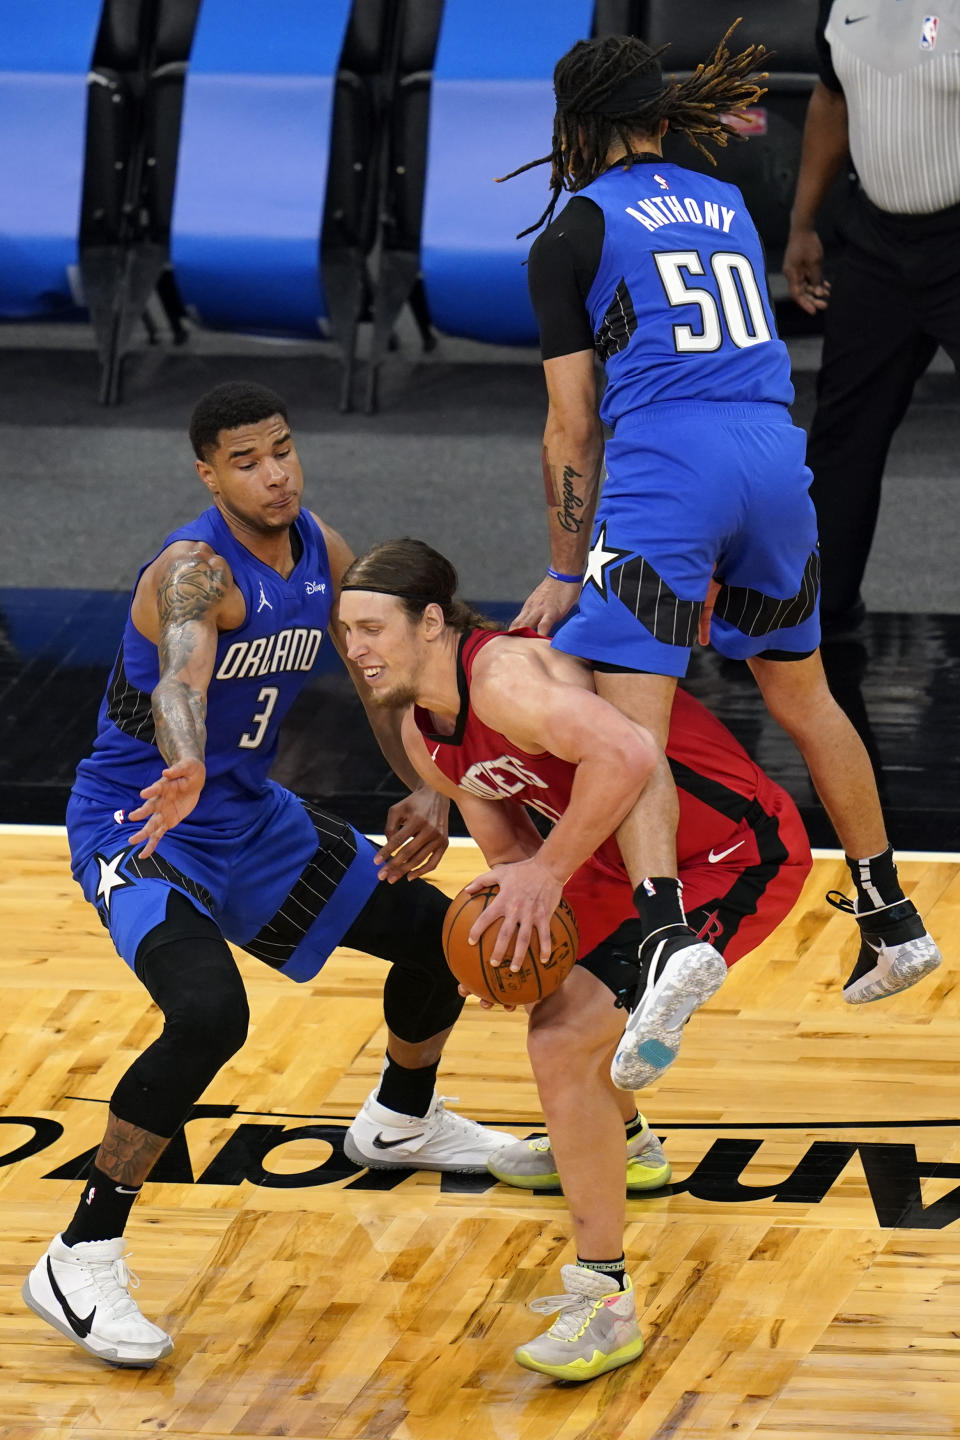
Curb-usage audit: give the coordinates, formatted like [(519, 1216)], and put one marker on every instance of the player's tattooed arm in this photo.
[(571, 461), (190, 591), (182, 602), (569, 495)]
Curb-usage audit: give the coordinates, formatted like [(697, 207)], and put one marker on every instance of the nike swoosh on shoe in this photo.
[(380, 1144), (77, 1324)]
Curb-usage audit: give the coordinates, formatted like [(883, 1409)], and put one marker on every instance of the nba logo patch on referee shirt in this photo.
[(928, 31)]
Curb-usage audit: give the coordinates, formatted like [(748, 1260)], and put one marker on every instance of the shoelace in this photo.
[(444, 1120), (839, 901), (574, 1313), (114, 1279)]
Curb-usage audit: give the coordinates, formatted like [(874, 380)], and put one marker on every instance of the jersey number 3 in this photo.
[(740, 309), (268, 698)]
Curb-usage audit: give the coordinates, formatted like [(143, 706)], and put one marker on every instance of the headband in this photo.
[(629, 95), (411, 595)]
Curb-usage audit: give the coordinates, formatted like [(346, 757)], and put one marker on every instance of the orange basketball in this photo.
[(536, 977)]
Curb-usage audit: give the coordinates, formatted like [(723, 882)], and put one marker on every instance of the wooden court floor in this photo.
[(800, 1278)]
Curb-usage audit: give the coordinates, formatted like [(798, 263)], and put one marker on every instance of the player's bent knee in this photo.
[(214, 1024), (561, 1046), (194, 980)]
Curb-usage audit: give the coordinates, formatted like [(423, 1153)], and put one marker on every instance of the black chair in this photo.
[(398, 280), (133, 119), (765, 164), (355, 175)]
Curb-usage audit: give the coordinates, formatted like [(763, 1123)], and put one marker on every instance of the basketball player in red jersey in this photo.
[(494, 717)]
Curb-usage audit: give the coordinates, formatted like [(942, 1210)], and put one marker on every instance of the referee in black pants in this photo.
[(889, 97)]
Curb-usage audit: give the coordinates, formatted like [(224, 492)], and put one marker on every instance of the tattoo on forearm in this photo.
[(180, 721), (189, 590), (572, 501), (127, 1154)]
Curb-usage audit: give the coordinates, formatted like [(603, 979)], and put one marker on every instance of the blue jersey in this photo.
[(260, 669), (679, 303)]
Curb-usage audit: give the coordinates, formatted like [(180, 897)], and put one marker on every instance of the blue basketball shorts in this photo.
[(696, 492), (286, 889)]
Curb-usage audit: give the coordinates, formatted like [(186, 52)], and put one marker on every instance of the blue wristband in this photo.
[(567, 579)]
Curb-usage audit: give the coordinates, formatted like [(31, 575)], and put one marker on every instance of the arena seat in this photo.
[(133, 124), (491, 110), (252, 172), (356, 164), (765, 164), (398, 280), (45, 53), (616, 17)]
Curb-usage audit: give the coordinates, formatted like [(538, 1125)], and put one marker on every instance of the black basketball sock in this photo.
[(659, 903), (635, 1125), (615, 1270), (409, 1092), (876, 881), (103, 1209)]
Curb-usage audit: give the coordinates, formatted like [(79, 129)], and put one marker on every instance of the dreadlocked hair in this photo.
[(611, 90)]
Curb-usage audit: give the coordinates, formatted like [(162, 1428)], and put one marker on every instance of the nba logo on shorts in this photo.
[(928, 32)]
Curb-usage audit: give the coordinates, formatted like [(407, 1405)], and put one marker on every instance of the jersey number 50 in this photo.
[(740, 303)]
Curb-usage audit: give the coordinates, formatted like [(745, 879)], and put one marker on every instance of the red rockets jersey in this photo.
[(719, 786)]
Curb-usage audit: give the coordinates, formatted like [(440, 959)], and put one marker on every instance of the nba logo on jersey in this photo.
[(928, 32), (661, 182)]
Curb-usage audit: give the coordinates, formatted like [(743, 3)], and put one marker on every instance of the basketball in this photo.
[(536, 977)]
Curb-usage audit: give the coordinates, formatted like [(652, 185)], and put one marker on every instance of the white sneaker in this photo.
[(81, 1290), (677, 975), (384, 1139)]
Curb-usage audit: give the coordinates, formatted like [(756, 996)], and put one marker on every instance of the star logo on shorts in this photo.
[(110, 878), (599, 561)]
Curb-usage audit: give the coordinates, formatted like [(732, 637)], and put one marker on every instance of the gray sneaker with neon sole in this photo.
[(595, 1331), (529, 1164)]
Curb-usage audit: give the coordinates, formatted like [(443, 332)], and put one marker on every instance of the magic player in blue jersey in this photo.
[(657, 271), (182, 842)]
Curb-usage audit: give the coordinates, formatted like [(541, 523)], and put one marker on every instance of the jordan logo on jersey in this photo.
[(264, 603)]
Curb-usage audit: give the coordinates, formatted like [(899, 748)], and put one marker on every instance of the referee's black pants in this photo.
[(895, 298)]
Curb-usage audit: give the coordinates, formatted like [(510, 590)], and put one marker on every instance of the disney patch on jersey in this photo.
[(928, 31)]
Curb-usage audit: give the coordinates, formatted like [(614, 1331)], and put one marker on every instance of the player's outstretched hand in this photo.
[(803, 267), (417, 835), (168, 801), (547, 606), (529, 893)]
